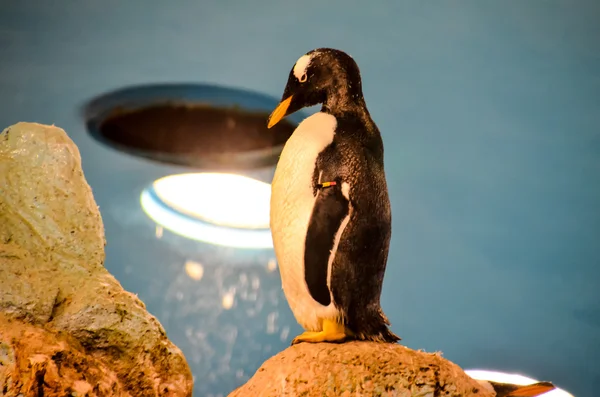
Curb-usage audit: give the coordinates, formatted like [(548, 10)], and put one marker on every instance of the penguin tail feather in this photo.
[(375, 328), (533, 390), (385, 336)]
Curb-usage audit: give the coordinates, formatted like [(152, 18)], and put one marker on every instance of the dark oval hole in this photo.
[(200, 126)]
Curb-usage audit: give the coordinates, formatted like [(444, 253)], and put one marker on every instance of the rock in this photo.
[(82, 330), (360, 369), (36, 358)]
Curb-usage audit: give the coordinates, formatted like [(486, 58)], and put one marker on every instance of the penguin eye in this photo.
[(303, 78)]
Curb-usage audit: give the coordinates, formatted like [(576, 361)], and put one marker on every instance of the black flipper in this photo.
[(330, 210)]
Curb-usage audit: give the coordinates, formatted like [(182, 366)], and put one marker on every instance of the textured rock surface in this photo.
[(55, 290), (37, 361), (360, 369)]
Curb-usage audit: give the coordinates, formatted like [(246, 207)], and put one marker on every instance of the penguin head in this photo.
[(318, 77)]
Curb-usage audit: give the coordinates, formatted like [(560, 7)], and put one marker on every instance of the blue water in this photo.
[(490, 114)]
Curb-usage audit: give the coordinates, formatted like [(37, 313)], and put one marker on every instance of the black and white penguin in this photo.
[(330, 211)]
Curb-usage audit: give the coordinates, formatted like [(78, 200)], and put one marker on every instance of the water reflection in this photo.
[(224, 318), (225, 309)]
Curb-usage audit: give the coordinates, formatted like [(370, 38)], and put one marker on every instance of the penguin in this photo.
[(330, 213)]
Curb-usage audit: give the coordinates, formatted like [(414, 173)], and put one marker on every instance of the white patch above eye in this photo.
[(301, 67)]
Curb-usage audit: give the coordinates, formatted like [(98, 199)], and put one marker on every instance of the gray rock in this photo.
[(53, 285)]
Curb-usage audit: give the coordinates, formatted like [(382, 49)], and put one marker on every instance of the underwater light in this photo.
[(194, 269), (217, 208), (516, 379)]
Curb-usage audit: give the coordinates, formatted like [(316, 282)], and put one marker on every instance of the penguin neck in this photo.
[(347, 102), (351, 105)]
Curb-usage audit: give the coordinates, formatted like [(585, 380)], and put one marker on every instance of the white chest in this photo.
[(292, 202)]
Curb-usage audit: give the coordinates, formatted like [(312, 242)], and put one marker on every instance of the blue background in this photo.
[(490, 115)]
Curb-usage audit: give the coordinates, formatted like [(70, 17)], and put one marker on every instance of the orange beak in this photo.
[(279, 112)]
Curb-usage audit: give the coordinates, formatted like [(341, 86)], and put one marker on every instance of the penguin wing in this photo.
[(331, 213)]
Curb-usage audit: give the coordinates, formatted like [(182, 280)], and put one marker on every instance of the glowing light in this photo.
[(222, 209), (221, 199), (272, 265), (285, 332), (272, 323), (516, 379), (227, 300), (194, 269)]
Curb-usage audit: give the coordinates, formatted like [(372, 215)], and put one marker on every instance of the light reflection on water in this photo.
[(226, 321), (230, 321)]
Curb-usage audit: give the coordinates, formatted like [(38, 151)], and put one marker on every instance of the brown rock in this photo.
[(37, 361), (55, 293), (360, 369)]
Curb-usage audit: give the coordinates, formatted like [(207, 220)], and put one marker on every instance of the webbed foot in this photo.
[(333, 332)]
